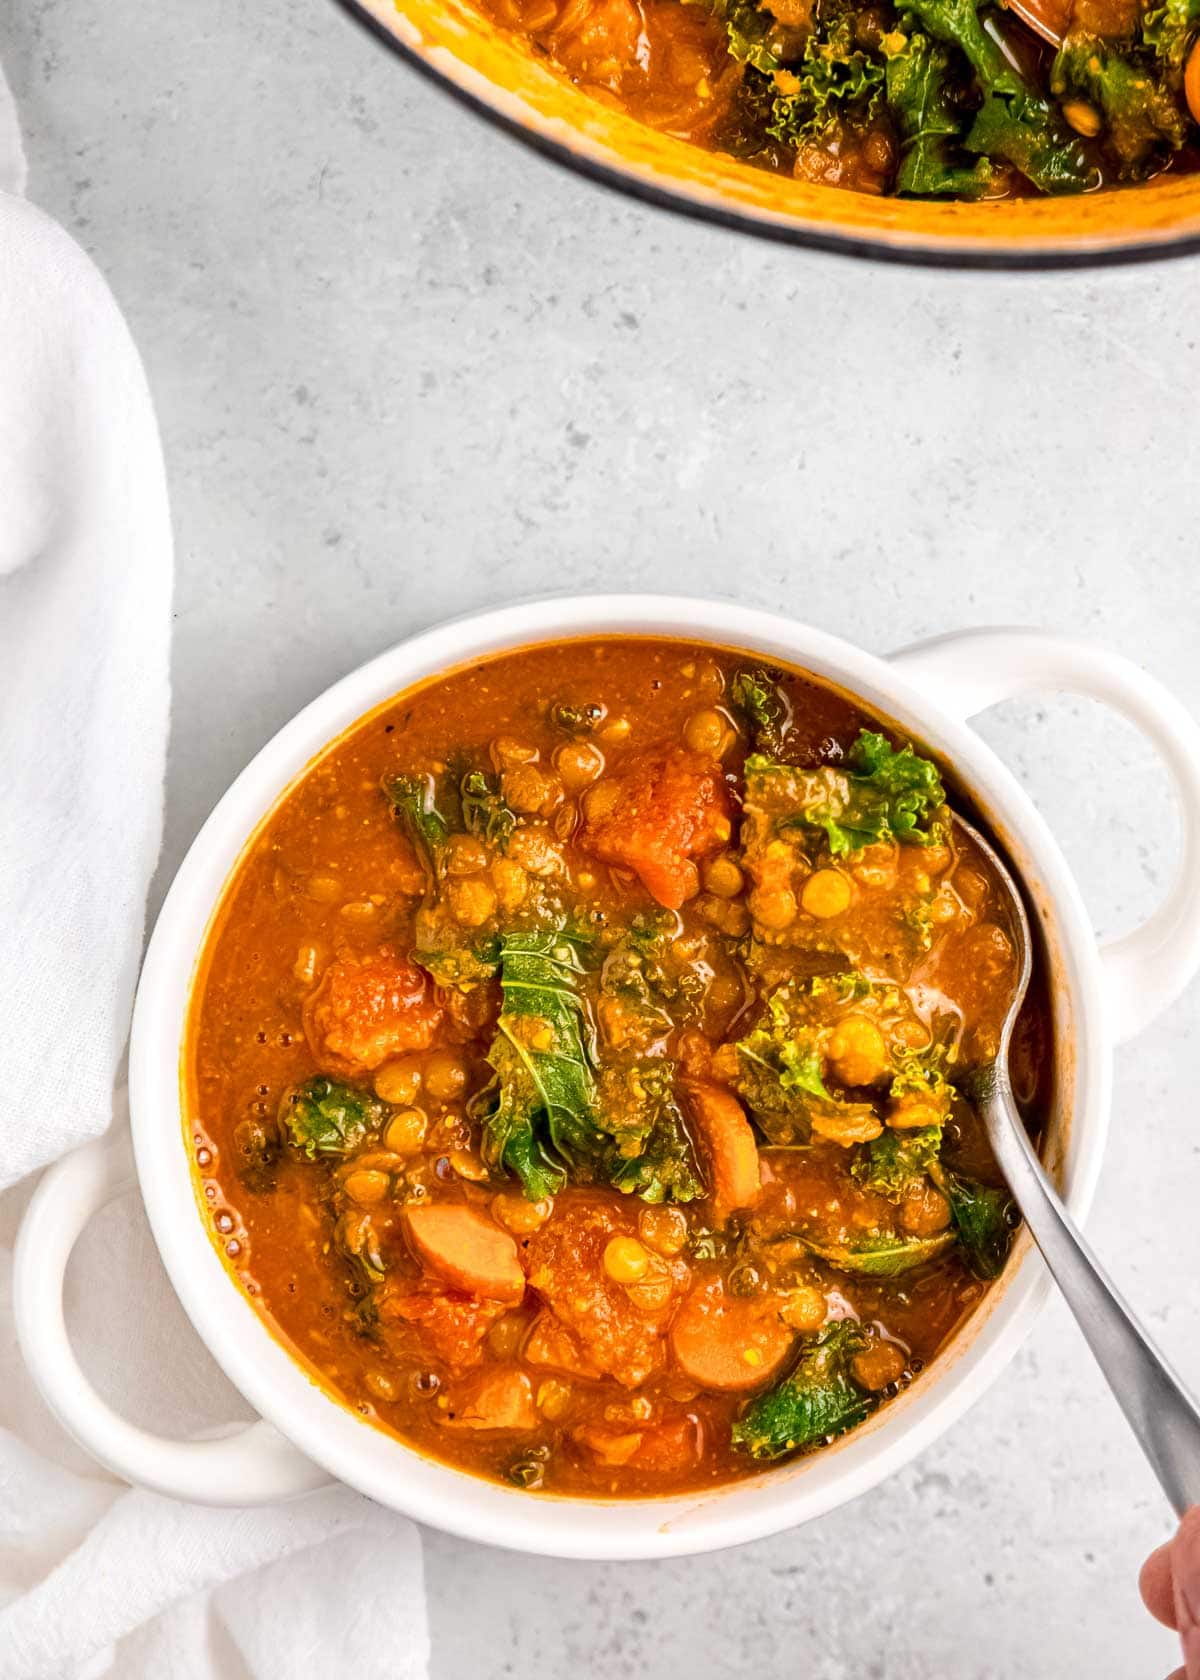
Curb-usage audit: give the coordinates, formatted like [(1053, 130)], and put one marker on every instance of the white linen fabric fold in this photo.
[(96, 1578)]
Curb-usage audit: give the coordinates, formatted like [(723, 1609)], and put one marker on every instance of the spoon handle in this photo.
[(1161, 1412)]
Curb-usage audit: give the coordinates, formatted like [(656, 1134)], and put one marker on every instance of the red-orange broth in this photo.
[(574, 1101)]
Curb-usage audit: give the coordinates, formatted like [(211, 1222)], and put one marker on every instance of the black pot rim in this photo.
[(779, 233)]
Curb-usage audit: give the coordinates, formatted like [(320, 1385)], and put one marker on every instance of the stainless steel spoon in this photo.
[(1161, 1413)]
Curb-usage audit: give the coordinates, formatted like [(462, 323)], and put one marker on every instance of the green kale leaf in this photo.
[(1014, 122), (983, 1220), (898, 795), (575, 721), (538, 1114), (747, 28), (817, 1401), (324, 1117), (882, 1256), (1142, 120), (929, 122), (484, 811), (651, 1155), (878, 793), (895, 1161), (1169, 29), (782, 1073), (834, 78), (757, 696), (412, 800)]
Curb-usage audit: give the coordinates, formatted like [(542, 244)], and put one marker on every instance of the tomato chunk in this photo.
[(496, 1400), (368, 1009), (551, 1343), (668, 1447), (468, 1250), (452, 1326), (566, 1267), (656, 817)]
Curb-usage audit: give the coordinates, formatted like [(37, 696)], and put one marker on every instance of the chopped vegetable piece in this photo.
[(894, 1161), (1143, 121), (1015, 122), (757, 696), (565, 1261), (819, 1400), (920, 95), (832, 78), (538, 1114), (983, 1219), (369, 1009), (494, 1401), (727, 1142), (882, 1256), (651, 1155), (323, 1117), (728, 1343), (1170, 29), (665, 812), (467, 1249), (484, 810), (452, 1327), (782, 1078)]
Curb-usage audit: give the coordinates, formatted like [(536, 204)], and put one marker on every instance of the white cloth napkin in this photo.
[(95, 1578)]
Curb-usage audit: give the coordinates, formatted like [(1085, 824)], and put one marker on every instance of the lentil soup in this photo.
[(575, 1067), (924, 99)]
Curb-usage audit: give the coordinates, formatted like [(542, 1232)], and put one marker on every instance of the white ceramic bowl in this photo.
[(306, 1437)]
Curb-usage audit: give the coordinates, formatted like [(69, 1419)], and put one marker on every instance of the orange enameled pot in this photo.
[(500, 79)]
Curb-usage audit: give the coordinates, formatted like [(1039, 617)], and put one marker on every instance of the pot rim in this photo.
[(284, 1392), (945, 254)]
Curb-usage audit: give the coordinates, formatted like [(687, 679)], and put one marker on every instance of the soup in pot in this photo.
[(944, 99)]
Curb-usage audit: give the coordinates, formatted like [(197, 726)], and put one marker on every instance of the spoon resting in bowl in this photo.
[(1159, 1409)]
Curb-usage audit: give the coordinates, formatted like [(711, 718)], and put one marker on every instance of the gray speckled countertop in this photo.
[(404, 367)]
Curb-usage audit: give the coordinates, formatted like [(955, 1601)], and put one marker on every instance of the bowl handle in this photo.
[(248, 1464), (1146, 969)]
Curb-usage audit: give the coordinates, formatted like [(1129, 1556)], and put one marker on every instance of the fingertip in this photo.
[(1157, 1587), (1185, 1575)]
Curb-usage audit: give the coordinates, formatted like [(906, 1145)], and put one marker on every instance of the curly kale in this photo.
[(781, 1071), (756, 695), (832, 78), (820, 1399), (748, 28), (1168, 30), (895, 1161), (1143, 122), (895, 795), (651, 1155), (878, 792), (324, 1117)]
